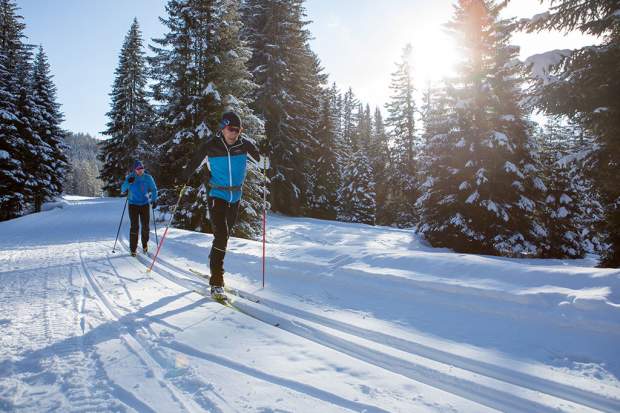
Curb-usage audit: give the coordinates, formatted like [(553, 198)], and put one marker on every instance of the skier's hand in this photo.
[(154, 204), (131, 179)]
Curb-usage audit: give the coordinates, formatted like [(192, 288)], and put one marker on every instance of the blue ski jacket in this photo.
[(139, 189), (227, 165)]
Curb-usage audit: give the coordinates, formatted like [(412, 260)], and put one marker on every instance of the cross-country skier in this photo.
[(139, 184), (226, 154)]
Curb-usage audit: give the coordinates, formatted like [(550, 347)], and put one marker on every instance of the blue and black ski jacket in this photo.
[(139, 189), (227, 165)]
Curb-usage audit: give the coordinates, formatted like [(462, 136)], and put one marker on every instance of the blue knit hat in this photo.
[(138, 165)]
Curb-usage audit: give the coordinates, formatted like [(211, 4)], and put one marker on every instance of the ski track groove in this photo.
[(70, 366), (298, 387), (157, 363), (500, 400)]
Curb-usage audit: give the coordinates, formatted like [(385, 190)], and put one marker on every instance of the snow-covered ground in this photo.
[(353, 318)]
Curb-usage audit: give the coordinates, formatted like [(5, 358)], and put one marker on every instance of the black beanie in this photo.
[(230, 119)]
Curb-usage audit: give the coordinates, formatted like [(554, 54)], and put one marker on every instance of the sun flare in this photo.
[(434, 55)]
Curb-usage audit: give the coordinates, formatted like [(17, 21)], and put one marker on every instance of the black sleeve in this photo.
[(199, 155), (252, 150)]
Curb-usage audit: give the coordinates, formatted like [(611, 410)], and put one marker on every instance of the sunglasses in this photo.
[(234, 129)]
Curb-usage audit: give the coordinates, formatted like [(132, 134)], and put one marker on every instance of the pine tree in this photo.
[(288, 77), (358, 191), (585, 87), (322, 199), (349, 104), (563, 200), (401, 123), (82, 178), (379, 156), (356, 196), (53, 163), (130, 114), (200, 71), (484, 188), (14, 192)]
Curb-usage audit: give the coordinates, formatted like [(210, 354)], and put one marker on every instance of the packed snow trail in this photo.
[(354, 318)]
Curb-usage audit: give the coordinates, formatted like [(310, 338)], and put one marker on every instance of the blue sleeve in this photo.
[(125, 185), (153, 190)]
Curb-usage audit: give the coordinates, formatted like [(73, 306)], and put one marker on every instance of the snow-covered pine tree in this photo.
[(200, 71), (37, 156), (54, 166), (82, 178), (358, 198), (322, 195), (130, 114), (379, 155), (483, 188), (285, 70), (13, 54), (434, 157), (313, 94), (401, 125), (562, 200), (585, 86), (345, 142), (349, 104)]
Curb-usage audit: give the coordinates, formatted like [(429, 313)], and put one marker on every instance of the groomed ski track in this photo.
[(111, 323), (490, 385)]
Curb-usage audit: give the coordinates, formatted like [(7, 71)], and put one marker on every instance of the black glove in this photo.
[(131, 179), (153, 204)]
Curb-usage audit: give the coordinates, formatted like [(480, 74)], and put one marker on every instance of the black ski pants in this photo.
[(223, 218), (139, 215)]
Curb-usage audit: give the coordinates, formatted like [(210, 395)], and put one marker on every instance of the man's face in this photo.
[(231, 134), (140, 171)]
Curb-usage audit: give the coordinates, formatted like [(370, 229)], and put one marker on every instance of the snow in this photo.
[(541, 64), (510, 167), (212, 90), (352, 318), (500, 138), (561, 213), (472, 198), (4, 155), (539, 17)]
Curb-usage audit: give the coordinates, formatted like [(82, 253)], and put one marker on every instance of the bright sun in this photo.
[(434, 55)]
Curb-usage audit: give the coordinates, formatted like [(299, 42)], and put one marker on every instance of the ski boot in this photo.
[(218, 293)]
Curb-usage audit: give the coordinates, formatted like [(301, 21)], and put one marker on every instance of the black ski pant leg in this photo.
[(223, 218), (145, 216), (138, 216), (134, 219)]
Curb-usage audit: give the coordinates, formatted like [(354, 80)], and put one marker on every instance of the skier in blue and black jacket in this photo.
[(142, 192), (227, 155)]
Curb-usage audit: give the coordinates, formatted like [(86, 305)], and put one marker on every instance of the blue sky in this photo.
[(358, 42)]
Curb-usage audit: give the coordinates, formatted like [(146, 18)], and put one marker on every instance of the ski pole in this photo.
[(163, 237), (264, 214), (155, 225), (119, 224)]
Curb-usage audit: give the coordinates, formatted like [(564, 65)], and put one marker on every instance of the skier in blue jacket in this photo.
[(142, 192), (226, 154)]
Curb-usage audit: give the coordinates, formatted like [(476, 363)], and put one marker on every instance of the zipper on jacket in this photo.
[(229, 166)]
